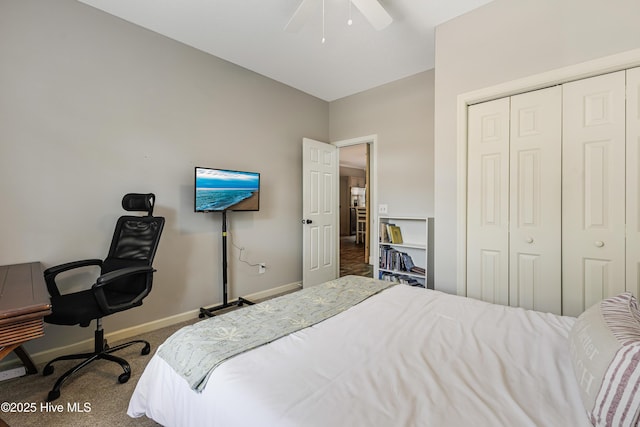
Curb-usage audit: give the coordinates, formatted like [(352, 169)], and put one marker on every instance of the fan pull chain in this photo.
[(323, 39)]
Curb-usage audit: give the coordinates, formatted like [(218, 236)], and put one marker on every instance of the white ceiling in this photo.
[(250, 33), (354, 156)]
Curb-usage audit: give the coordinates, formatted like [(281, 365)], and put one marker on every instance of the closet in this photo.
[(552, 195)]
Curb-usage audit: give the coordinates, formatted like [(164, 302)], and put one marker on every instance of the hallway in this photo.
[(352, 258)]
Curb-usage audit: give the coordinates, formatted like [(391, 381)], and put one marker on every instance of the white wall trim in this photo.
[(562, 75), (269, 293), (123, 334)]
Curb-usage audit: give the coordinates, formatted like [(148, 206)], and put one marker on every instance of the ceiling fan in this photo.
[(371, 9)]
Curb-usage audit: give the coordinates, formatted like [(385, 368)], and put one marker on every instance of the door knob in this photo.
[(306, 221), (529, 240), (599, 243)]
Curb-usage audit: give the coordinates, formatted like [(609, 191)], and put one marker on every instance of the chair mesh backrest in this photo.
[(136, 238), (135, 241)]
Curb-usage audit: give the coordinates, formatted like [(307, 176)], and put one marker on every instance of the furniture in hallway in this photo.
[(361, 224)]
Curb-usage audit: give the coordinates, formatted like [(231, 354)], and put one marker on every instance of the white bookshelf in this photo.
[(416, 244)]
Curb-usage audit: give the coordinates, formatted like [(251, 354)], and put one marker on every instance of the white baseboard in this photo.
[(123, 334), (274, 291)]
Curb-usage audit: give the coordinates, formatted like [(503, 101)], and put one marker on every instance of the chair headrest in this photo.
[(139, 202)]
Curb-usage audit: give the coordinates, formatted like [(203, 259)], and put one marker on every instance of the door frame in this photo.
[(373, 189), (562, 75)]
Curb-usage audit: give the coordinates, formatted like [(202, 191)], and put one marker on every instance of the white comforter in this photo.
[(404, 357)]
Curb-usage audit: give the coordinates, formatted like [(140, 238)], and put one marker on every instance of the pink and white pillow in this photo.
[(605, 350)]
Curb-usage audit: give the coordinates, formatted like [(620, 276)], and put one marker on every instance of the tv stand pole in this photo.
[(209, 312)]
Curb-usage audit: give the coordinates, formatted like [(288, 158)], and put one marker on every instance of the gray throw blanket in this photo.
[(196, 350)]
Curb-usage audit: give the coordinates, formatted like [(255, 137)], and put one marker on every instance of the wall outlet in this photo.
[(262, 267)]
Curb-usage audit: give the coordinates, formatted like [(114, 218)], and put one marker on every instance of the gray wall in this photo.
[(92, 107), (503, 41), (401, 115)]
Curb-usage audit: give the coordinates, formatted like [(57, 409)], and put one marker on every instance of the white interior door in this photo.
[(535, 148), (320, 222), (593, 191), (488, 202)]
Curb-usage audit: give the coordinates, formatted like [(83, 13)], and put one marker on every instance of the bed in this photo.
[(402, 356)]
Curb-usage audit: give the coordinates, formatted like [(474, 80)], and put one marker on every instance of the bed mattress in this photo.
[(403, 357)]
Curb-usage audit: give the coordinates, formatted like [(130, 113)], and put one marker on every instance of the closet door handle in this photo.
[(599, 243), (529, 240)]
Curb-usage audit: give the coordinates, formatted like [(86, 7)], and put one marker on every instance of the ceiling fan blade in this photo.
[(302, 15), (374, 12)]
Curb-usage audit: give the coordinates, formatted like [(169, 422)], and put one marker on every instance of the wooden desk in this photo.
[(24, 301)]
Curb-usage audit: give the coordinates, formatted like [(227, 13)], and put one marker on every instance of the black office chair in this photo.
[(125, 280)]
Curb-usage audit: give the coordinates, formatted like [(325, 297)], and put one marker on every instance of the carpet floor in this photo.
[(93, 396)]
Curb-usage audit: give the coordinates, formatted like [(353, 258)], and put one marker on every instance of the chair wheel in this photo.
[(146, 349), (53, 395), (48, 370), (123, 378)]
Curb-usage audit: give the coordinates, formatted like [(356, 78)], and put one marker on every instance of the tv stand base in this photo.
[(209, 312)]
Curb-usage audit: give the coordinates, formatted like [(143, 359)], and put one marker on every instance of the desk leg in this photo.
[(26, 360)]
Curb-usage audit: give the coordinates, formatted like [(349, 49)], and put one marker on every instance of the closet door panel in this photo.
[(488, 202), (593, 191), (633, 181), (535, 200)]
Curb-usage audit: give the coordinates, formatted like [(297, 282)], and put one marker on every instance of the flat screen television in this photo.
[(218, 190)]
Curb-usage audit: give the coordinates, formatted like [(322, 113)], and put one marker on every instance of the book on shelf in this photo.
[(400, 278), (407, 262), (384, 233), (395, 234), (393, 259), (418, 270)]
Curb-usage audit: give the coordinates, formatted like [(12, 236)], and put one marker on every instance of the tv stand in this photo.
[(209, 312)]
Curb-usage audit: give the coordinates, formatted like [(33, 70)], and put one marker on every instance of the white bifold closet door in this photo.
[(593, 186), (488, 202), (553, 221), (535, 243), (633, 182), (514, 201)]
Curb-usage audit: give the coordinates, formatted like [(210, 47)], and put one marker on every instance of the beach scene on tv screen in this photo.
[(218, 190)]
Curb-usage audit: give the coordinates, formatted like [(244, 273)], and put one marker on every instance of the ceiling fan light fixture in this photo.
[(372, 11)]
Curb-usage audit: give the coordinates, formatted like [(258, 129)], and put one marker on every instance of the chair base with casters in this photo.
[(101, 351)]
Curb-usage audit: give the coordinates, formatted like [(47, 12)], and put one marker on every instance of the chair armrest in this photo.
[(51, 273), (107, 278)]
